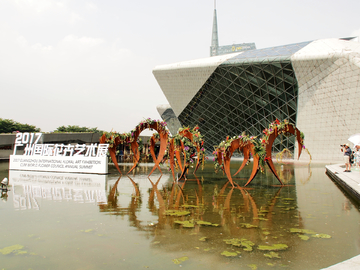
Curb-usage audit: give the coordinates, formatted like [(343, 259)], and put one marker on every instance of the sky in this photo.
[(90, 62)]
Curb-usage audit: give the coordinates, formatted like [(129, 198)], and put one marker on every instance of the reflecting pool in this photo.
[(82, 221)]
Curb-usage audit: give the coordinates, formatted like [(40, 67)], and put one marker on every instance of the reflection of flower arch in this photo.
[(114, 139)]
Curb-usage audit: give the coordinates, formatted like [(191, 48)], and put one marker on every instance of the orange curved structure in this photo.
[(176, 152), (246, 147), (224, 152), (132, 139), (288, 128)]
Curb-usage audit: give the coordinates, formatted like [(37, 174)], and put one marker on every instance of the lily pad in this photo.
[(321, 235), (305, 231), (11, 249), (185, 224), (180, 260), (252, 266), (273, 247), (303, 237), (177, 213), (247, 225), (247, 244), (272, 254), (201, 222), (229, 254), (203, 239)]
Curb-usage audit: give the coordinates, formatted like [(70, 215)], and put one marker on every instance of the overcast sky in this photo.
[(90, 62)]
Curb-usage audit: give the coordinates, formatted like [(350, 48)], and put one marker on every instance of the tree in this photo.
[(76, 129), (9, 126)]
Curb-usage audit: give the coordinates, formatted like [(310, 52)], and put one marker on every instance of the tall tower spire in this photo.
[(214, 39)]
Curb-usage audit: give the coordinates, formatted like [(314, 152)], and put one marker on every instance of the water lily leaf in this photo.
[(305, 231), (180, 260), (11, 249), (303, 237), (273, 247), (229, 254), (215, 225), (203, 239), (88, 230), (272, 254), (185, 224), (247, 225), (201, 222), (271, 264), (252, 266), (246, 244), (266, 233), (177, 213), (321, 235)]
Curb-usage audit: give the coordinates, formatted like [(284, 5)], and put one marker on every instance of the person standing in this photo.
[(347, 152)]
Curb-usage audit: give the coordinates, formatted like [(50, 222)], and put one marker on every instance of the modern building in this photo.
[(314, 84)]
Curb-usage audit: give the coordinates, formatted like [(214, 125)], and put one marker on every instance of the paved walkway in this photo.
[(350, 181)]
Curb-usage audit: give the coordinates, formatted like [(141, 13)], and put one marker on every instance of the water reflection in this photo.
[(30, 187), (94, 218)]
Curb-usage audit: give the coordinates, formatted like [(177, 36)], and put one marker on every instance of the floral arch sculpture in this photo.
[(190, 144), (226, 149), (261, 151), (114, 139), (275, 129)]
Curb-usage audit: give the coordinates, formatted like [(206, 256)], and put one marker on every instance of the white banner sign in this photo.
[(73, 164), (74, 158)]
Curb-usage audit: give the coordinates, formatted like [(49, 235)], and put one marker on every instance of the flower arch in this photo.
[(226, 149), (189, 143), (275, 129), (114, 139), (260, 150)]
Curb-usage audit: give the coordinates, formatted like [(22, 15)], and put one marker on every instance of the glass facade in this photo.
[(246, 93)]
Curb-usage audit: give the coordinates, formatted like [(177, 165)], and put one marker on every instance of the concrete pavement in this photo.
[(350, 182)]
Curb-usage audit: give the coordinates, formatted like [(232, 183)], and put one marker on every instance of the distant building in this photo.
[(215, 49)]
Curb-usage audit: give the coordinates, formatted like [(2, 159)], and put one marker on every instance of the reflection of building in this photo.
[(313, 84)]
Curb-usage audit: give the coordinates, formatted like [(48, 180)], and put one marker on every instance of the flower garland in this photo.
[(224, 148), (129, 137), (191, 147)]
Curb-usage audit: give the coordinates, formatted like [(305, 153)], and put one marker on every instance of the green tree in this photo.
[(9, 126), (76, 129)]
